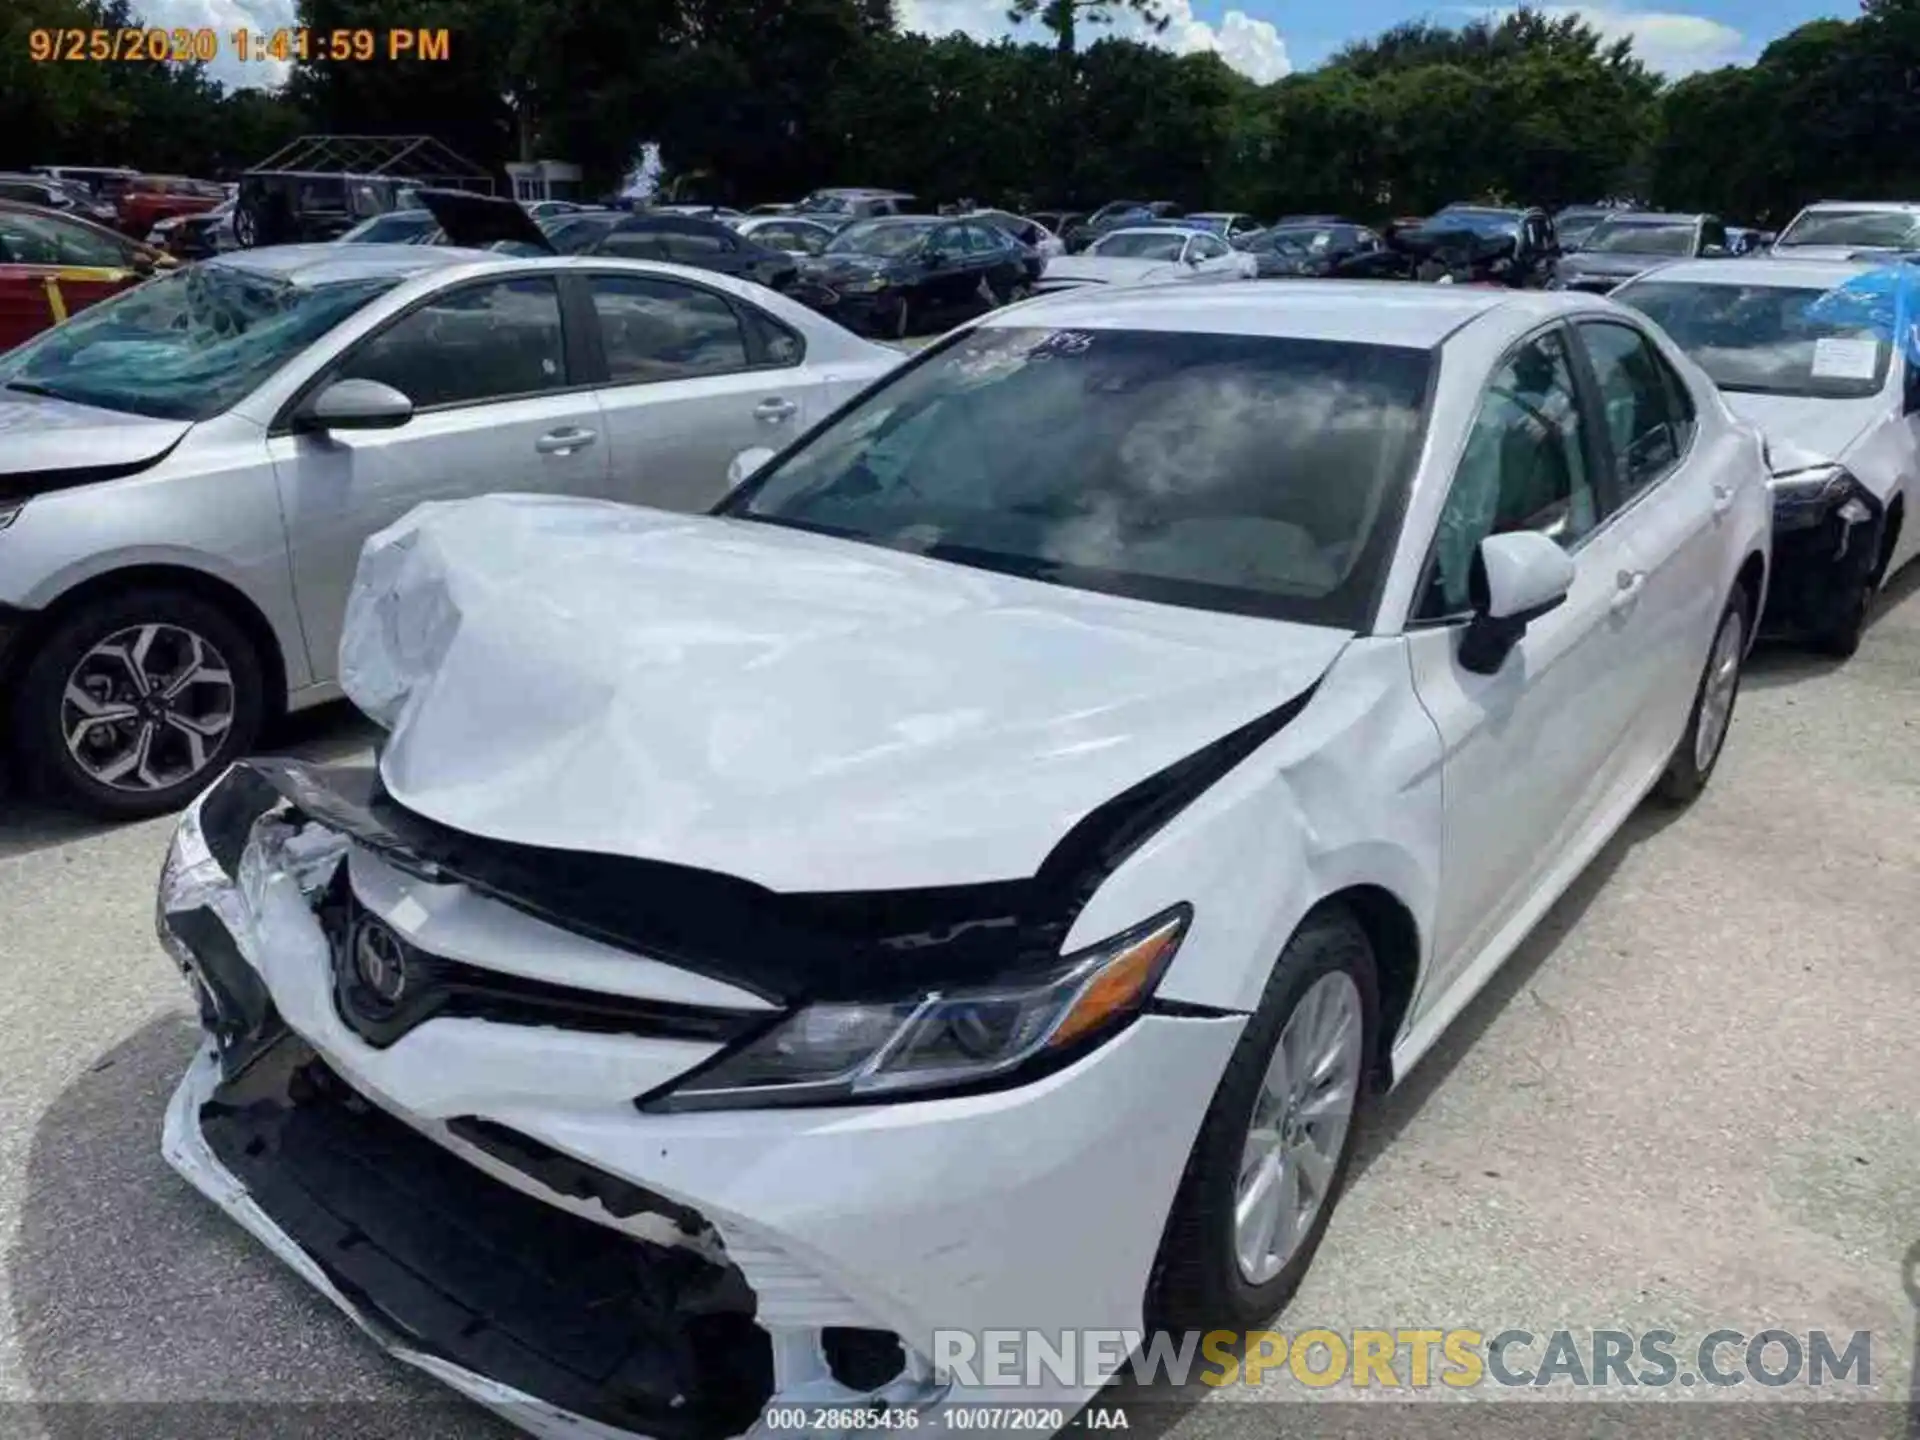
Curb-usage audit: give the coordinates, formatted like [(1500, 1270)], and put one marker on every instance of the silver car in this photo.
[(187, 471)]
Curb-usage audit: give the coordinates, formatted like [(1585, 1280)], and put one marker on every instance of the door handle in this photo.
[(1628, 584), (775, 410), (564, 441)]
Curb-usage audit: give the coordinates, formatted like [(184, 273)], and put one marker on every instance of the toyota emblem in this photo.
[(380, 960)]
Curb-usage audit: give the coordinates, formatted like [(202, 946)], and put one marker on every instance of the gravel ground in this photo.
[(1690, 1102)]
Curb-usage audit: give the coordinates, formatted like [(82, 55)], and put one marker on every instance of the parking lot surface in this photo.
[(1692, 1101)]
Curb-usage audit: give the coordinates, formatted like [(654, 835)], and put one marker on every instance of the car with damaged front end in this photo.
[(973, 876)]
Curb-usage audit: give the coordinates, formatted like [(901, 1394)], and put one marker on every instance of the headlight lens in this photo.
[(1801, 497), (865, 284), (847, 1052)]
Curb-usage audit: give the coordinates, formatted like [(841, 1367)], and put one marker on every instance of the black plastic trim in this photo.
[(786, 948)]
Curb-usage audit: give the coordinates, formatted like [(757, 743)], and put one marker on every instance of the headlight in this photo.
[(1801, 497), (864, 284), (840, 1053)]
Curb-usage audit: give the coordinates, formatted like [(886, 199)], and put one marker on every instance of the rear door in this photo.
[(693, 377), (501, 403), (1672, 505)]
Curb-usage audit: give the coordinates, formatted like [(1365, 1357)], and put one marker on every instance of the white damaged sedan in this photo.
[(971, 879)]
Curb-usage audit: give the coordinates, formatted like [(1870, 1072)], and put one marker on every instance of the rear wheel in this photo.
[(1273, 1151), (246, 227), (132, 705), (1691, 765)]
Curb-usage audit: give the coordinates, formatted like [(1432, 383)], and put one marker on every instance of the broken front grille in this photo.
[(385, 986)]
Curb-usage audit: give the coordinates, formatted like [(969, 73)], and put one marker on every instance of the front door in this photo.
[(485, 365), (1533, 751)]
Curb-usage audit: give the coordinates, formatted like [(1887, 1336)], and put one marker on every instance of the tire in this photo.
[(1689, 769), (204, 702), (246, 227), (1840, 637), (1199, 1278)]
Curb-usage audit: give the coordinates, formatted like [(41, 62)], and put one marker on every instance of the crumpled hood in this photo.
[(50, 444), (1805, 431), (806, 713)]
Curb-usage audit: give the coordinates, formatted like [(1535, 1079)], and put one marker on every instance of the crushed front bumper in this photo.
[(1824, 550), (1038, 1208)]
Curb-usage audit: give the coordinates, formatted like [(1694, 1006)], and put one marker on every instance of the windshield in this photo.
[(1641, 237), (1298, 240), (1139, 245), (1764, 339), (828, 204), (184, 346), (1891, 229), (397, 227), (878, 237), (572, 234), (1229, 472), (1491, 224)]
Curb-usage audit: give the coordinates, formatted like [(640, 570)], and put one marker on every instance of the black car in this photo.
[(899, 276), (1625, 244), (1117, 215), (491, 222), (1481, 244), (1341, 250)]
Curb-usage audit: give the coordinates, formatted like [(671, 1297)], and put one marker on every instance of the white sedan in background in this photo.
[(1149, 255), (793, 234), (1801, 351), (975, 875)]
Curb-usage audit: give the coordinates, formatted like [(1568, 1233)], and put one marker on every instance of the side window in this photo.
[(1646, 434), (481, 342), (1524, 468), (1206, 247), (633, 245), (948, 241), (1712, 234), (39, 240), (982, 241), (659, 330)]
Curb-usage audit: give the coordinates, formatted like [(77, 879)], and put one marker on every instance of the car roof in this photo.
[(1381, 312), (328, 264), (1885, 207), (1665, 217), (1763, 270)]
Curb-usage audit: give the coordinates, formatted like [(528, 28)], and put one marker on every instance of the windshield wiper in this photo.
[(30, 387)]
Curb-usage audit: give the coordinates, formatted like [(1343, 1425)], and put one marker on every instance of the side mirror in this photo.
[(1515, 579), (743, 465), (356, 405)]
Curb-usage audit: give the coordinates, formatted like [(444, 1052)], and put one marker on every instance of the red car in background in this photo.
[(153, 198), (53, 264)]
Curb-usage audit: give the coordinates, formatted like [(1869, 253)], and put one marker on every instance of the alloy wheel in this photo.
[(1717, 690), (147, 708), (1298, 1127)]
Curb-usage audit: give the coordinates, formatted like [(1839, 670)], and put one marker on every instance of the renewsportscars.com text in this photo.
[(1407, 1358)]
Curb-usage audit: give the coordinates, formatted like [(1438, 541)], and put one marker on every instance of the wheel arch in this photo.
[(1752, 580), (1393, 934), (159, 576), (1890, 537)]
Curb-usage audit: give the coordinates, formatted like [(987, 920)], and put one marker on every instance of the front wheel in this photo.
[(1840, 636), (1273, 1150), (1691, 765), (133, 704)]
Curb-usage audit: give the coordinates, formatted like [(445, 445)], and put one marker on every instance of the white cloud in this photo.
[(259, 18), (1671, 43), (1253, 47)]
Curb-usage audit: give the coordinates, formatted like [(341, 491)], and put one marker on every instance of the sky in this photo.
[(1264, 39)]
